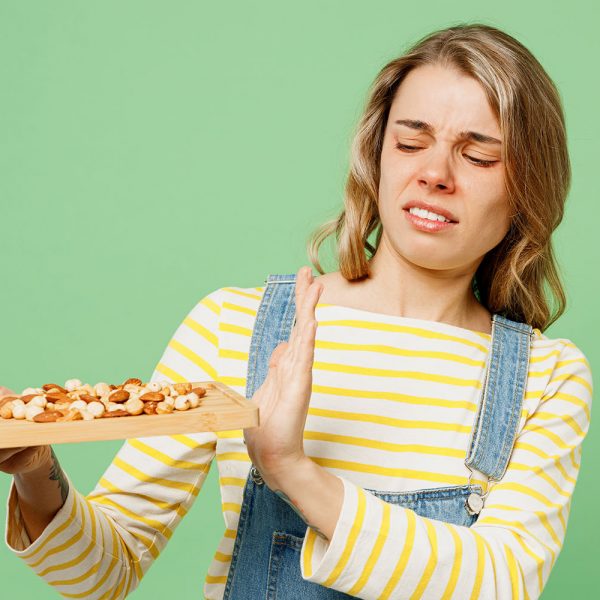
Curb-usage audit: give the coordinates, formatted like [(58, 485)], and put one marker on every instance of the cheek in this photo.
[(492, 221), (393, 177)]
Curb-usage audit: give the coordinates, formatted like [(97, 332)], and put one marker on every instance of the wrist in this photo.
[(287, 472), (313, 492), (37, 466)]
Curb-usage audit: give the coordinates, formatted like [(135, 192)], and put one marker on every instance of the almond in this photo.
[(152, 397), (114, 413), (119, 396), (200, 391), (88, 398), (6, 399), (49, 416), (58, 397), (150, 408), (134, 381), (47, 387), (28, 397), (71, 415)]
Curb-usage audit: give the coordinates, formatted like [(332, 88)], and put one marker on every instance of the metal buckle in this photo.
[(475, 502), (256, 476)]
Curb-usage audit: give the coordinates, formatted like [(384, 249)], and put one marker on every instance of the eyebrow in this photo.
[(465, 135)]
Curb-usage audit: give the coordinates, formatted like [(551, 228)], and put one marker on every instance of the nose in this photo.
[(436, 173)]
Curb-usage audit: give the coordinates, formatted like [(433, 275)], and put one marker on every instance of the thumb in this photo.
[(277, 354)]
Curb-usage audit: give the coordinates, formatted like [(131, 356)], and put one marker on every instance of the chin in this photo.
[(432, 261)]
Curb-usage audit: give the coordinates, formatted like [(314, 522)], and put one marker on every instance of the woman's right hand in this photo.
[(24, 460)]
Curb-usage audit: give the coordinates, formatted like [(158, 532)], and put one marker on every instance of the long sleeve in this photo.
[(100, 545), (381, 551)]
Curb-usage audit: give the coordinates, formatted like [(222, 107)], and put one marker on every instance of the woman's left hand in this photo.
[(276, 445)]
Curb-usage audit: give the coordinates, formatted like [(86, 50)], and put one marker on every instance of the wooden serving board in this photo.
[(222, 409)]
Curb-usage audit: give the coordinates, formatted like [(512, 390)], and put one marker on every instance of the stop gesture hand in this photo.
[(276, 445)]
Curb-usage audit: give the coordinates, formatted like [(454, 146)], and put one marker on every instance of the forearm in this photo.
[(314, 493), (41, 493)]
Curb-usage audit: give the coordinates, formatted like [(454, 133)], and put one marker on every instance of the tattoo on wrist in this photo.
[(57, 474), (293, 506)]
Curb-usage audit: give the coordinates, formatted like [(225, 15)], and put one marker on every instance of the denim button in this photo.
[(256, 476), (474, 504)]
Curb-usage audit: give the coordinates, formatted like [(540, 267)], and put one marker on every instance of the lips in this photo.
[(431, 208)]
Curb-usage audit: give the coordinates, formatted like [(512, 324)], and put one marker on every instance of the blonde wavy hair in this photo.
[(519, 278)]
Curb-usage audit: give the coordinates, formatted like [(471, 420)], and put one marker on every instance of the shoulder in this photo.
[(220, 303), (559, 349), (565, 366)]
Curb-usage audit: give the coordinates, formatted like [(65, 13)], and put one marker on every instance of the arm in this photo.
[(41, 493), (363, 546), (376, 550), (108, 540), (39, 483)]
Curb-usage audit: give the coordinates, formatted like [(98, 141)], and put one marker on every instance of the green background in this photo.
[(151, 152)]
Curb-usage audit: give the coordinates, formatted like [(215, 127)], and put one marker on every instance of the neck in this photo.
[(402, 288)]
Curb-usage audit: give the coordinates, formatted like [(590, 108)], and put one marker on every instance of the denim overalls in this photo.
[(266, 555)]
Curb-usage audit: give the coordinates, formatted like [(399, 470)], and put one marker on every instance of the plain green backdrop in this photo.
[(151, 152)]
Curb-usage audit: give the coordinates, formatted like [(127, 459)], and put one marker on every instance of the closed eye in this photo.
[(479, 162), (476, 161), (407, 148)]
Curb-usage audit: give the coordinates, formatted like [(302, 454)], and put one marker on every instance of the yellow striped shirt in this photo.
[(392, 408)]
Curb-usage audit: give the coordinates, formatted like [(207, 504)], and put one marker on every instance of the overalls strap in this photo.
[(498, 416), (273, 325), (265, 560)]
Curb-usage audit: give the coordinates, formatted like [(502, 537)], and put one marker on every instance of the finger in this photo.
[(27, 460), (303, 280), (306, 345), (7, 453), (277, 354), (307, 311), (303, 350)]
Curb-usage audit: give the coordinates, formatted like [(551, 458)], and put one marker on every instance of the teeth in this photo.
[(425, 214)]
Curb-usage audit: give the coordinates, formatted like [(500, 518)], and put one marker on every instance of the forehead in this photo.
[(446, 98)]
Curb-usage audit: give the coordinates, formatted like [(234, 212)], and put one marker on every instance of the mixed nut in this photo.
[(77, 401)]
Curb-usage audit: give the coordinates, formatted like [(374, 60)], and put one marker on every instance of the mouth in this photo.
[(429, 212), (427, 220)]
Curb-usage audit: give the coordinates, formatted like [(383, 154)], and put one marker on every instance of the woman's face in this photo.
[(442, 157)]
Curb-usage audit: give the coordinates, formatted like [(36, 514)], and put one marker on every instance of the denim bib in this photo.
[(265, 562)]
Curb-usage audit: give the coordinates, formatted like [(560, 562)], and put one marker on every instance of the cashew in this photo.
[(78, 405), (6, 412), (96, 408), (102, 389), (133, 389), (38, 401), (134, 406), (183, 388), (162, 408), (86, 414), (182, 403), (193, 399), (31, 411)]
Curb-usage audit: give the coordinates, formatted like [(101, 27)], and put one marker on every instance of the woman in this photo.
[(425, 440)]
